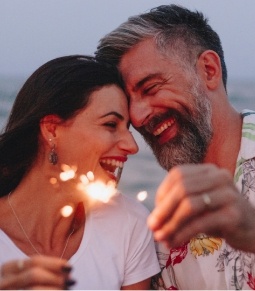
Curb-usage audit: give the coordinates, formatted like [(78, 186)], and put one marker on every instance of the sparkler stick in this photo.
[(118, 176)]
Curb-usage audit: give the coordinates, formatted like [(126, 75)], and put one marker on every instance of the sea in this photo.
[(141, 172)]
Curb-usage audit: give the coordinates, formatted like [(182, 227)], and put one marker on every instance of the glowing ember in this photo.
[(53, 181), (141, 196), (98, 190), (90, 176), (84, 179), (68, 172), (66, 211)]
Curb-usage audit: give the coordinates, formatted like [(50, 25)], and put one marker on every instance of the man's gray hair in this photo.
[(185, 33)]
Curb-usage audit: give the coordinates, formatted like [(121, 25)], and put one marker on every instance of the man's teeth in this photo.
[(163, 127)]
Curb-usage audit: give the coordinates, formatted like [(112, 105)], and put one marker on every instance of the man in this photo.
[(175, 76)]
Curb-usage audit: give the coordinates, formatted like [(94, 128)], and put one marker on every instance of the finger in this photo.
[(41, 287), (166, 207), (195, 206), (223, 219), (180, 182), (188, 208), (182, 176), (38, 276), (11, 283), (35, 276), (167, 184), (53, 264), (195, 178), (176, 199), (214, 227), (208, 178), (12, 267)]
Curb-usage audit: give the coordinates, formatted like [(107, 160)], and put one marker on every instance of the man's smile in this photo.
[(163, 126)]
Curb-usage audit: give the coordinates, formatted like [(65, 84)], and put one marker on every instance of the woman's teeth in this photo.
[(111, 162), (111, 165)]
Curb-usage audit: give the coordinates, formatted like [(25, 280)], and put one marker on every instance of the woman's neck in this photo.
[(36, 204)]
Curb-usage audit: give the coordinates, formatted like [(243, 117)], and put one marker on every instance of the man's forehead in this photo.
[(136, 61), (141, 63)]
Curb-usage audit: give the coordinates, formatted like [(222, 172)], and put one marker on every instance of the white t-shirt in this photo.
[(117, 249)]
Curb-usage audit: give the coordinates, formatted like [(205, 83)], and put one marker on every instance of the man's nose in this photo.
[(140, 112)]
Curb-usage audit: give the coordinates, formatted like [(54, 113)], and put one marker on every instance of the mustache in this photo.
[(156, 119), (183, 118)]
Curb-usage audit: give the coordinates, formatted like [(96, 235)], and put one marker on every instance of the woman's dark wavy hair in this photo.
[(61, 86)]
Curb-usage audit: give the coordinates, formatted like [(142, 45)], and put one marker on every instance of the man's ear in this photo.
[(209, 66), (48, 125)]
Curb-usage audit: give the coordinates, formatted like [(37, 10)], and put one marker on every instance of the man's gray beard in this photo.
[(188, 147), (192, 140)]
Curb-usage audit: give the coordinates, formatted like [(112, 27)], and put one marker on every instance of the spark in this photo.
[(90, 176), (66, 211), (94, 189), (84, 179), (98, 190), (53, 181), (68, 172), (141, 196)]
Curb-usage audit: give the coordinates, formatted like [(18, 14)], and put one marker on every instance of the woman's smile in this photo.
[(102, 135)]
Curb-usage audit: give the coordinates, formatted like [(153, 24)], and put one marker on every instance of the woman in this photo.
[(70, 114)]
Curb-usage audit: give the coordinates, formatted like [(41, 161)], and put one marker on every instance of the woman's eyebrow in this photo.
[(113, 113)]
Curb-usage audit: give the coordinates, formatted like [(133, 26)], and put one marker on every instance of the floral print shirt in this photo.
[(207, 262)]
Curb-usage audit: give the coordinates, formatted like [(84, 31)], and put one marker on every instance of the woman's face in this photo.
[(98, 138)]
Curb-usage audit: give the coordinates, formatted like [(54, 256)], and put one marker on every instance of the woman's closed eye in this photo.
[(111, 124)]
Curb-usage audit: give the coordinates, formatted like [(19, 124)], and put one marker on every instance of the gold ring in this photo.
[(20, 265), (206, 199)]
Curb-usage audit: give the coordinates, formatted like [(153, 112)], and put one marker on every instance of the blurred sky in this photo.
[(35, 31)]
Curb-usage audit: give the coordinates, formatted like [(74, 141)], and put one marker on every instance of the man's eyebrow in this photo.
[(144, 80), (113, 113)]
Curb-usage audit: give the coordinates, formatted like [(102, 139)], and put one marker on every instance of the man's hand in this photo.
[(202, 198)]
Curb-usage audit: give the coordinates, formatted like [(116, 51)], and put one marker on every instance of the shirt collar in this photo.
[(247, 149)]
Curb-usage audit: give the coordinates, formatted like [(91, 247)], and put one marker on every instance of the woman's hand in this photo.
[(37, 272)]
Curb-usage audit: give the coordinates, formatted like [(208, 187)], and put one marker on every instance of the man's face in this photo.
[(168, 105)]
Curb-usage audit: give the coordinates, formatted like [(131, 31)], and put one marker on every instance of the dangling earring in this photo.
[(53, 157)]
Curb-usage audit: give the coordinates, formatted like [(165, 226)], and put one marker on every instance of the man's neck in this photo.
[(226, 141)]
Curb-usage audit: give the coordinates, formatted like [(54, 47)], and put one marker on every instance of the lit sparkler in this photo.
[(95, 190)]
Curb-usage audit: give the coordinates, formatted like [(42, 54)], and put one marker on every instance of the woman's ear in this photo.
[(48, 125), (209, 66)]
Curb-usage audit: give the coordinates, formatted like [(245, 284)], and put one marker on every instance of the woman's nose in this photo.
[(129, 144)]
